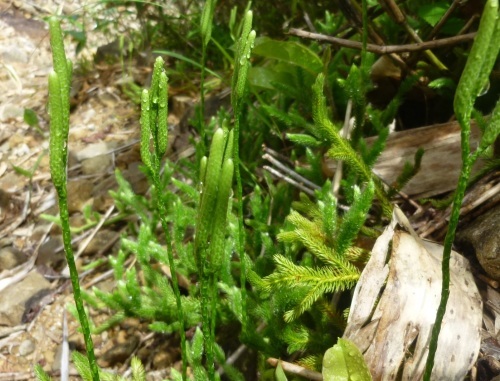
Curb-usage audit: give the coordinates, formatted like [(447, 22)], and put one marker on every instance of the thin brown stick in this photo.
[(296, 369), (384, 49)]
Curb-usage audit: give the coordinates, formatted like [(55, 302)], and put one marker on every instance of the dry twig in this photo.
[(384, 49), (296, 369)]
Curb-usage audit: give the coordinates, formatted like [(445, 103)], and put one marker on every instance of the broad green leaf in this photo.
[(344, 362), (289, 51), (30, 117), (433, 12), (280, 373), (264, 77)]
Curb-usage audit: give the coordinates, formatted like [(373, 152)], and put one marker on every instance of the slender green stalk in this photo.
[(206, 33), (208, 315), (154, 111), (477, 69), (173, 269), (59, 84), (242, 64)]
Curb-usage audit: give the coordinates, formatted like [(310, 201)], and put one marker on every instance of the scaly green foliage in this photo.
[(327, 239), (341, 149), (83, 368)]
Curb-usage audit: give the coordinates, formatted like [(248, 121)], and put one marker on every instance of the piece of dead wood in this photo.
[(440, 165), (480, 197), (394, 307)]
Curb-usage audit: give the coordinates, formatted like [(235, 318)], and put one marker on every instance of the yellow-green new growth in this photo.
[(145, 129), (206, 21), (216, 179), (162, 130), (242, 60), (154, 115), (219, 223), (57, 133), (481, 59)]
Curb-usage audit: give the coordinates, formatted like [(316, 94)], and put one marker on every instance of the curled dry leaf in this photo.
[(394, 307)]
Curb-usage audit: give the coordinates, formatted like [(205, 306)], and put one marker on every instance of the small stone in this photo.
[(27, 347), (96, 165), (13, 308), (162, 360), (10, 111), (101, 239), (14, 54), (56, 364), (483, 235), (10, 257), (120, 352), (49, 253), (79, 193)]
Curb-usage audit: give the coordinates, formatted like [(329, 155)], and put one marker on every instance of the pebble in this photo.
[(10, 257), (27, 347), (483, 235)]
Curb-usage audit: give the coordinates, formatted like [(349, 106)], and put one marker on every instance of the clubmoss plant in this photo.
[(340, 147), (239, 84), (329, 239), (154, 128), (216, 176), (474, 79), (59, 86)]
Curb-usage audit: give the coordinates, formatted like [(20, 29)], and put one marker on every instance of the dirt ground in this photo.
[(104, 131)]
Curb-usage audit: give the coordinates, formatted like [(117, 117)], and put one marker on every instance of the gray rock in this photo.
[(483, 235), (10, 257), (27, 347), (14, 299), (96, 165)]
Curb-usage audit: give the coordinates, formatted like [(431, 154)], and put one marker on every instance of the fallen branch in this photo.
[(384, 49)]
